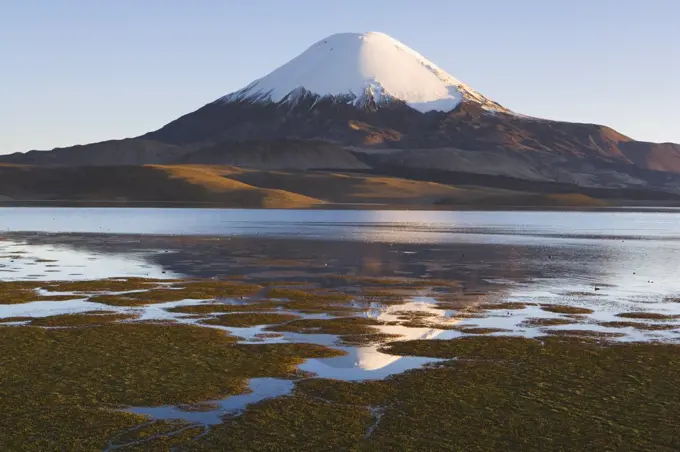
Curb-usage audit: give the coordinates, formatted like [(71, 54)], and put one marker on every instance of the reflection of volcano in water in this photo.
[(367, 362)]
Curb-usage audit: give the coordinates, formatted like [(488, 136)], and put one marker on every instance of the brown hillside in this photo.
[(141, 183), (658, 157), (352, 188)]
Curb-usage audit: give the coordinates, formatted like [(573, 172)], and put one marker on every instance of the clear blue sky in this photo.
[(78, 71)]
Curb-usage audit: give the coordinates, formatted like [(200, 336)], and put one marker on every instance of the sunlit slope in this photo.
[(141, 183), (352, 188), (228, 186)]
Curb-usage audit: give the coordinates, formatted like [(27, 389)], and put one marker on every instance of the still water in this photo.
[(391, 226), (634, 255)]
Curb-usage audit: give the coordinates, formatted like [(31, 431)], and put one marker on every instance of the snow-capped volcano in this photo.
[(350, 95), (363, 69)]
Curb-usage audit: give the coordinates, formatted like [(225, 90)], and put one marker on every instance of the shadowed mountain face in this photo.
[(467, 127), (315, 132), (391, 126)]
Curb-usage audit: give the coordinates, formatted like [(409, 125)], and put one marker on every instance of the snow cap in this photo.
[(356, 65)]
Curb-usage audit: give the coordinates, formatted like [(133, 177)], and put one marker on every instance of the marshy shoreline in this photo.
[(245, 343)]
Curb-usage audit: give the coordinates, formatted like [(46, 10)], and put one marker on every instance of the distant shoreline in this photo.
[(622, 207)]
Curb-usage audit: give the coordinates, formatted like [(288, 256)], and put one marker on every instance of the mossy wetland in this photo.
[(329, 360)]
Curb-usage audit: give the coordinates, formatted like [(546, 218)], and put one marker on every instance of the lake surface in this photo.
[(363, 225), (635, 255)]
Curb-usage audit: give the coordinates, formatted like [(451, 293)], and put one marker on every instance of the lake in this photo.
[(609, 262), (363, 225), (636, 254)]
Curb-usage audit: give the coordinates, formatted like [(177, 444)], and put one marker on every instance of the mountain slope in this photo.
[(233, 127), (279, 154), (657, 157), (149, 183), (112, 152), (224, 186)]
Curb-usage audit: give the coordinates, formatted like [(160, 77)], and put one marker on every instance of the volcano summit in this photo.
[(364, 69)]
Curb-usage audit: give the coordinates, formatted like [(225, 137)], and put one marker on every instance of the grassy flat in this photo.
[(195, 290), (104, 285), (80, 319), (214, 308), (367, 339), (561, 309), (641, 325), (310, 296), (410, 315), (157, 436), (63, 377), (537, 321), (18, 292), (148, 291), (584, 333), (250, 319), (339, 326), (57, 385), (501, 306), (647, 316), (500, 394), (312, 302), (481, 330)]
